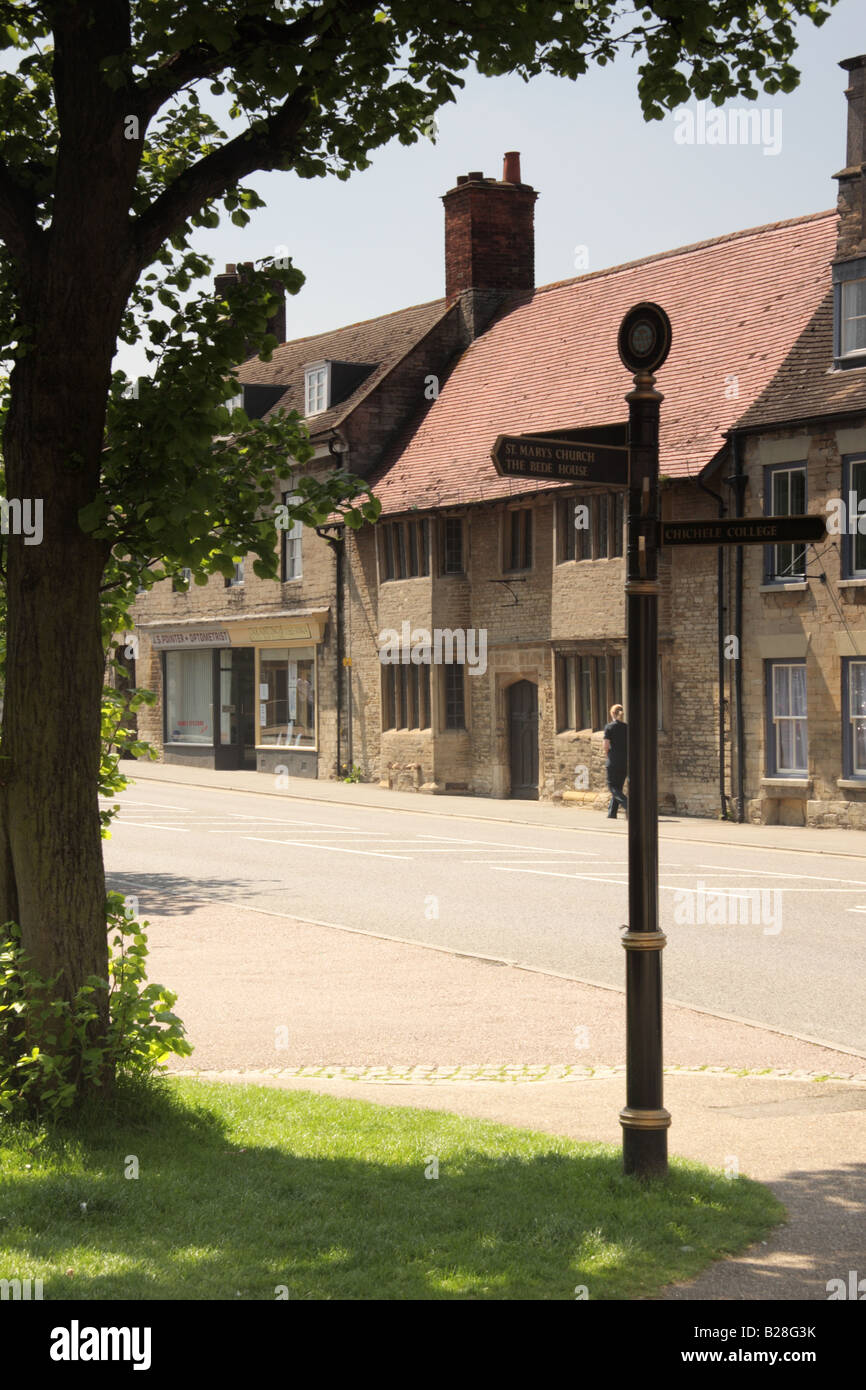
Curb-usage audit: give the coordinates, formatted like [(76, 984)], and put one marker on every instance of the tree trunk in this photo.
[(52, 881)]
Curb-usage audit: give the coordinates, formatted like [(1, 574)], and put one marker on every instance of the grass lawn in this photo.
[(242, 1189)]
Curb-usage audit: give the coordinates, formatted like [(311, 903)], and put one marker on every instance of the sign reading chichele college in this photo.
[(744, 530)]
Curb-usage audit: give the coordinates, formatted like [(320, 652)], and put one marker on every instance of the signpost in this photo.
[(540, 456), (643, 344)]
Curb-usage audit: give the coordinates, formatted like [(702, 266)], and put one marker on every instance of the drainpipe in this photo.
[(337, 543), (738, 481), (336, 539), (720, 642)]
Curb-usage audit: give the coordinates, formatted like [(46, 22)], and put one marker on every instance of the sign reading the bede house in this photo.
[(534, 456), (211, 637)]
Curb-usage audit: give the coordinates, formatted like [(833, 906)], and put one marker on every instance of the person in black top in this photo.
[(616, 749)]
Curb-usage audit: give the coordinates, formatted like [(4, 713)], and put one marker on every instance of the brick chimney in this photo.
[(489, 240), (232, 274), (851, 240), (490, 233)]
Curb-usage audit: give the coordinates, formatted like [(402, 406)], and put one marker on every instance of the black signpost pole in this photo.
[(643, 344)]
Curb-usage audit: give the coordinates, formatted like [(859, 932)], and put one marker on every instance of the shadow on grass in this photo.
[(242, 1192)]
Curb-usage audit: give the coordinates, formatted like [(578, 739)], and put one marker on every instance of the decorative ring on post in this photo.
[(644, 1119), (642, 586), (644, 940)]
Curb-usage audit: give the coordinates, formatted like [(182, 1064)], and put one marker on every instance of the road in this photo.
[(791, 956)]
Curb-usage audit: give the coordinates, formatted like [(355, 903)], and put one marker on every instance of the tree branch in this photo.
[(213, 175), (201, 60)]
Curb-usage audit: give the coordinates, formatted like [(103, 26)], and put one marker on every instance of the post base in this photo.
[(645, 1142)]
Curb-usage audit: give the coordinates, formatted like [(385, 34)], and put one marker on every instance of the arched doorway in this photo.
[(523, 739)]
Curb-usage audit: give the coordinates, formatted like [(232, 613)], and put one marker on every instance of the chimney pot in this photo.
[(462, 178), (475, 175), (511, 167)]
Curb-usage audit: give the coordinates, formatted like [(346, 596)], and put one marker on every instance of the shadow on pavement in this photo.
[(170, 895)]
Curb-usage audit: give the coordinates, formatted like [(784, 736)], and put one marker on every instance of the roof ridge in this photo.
[(361, 323), (684, 250)]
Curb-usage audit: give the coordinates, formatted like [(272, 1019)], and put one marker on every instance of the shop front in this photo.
[(242, 693)]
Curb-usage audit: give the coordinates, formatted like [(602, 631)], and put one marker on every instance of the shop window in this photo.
[(287, 697), (189, 697)]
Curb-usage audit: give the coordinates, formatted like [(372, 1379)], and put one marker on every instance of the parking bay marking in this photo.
[(332, 849)]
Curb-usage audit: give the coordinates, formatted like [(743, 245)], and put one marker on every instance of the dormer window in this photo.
[(850, 313), (854, 317), (317, 387)]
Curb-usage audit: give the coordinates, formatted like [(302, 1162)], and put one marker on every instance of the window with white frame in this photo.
[(853, 325), (787, 742), (237, 578), (853, 540), (785, 495), (292, 543), (854, 706), (316, 381)]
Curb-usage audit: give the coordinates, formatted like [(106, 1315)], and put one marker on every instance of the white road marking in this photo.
[(497, 844), (331, 849), (772, 873), (148, 805), (149, 825)]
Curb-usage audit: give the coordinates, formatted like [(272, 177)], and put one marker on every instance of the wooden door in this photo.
[(523, 739)]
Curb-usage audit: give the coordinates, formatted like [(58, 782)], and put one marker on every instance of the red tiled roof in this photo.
[(804, 388), (737, 305)]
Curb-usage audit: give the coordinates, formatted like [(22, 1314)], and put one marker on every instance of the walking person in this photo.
[(616, 750)]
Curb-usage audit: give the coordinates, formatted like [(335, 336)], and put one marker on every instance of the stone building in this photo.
[(484, 627)]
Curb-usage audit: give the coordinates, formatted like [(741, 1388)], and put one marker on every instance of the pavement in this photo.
[(277, 1001)]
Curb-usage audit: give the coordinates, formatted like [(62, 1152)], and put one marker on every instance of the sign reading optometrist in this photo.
[(537, 456), (744, 530)]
